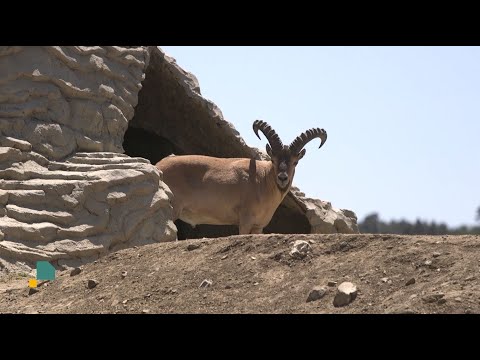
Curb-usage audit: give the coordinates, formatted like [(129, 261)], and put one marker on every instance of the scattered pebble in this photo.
[(432, 298), (404, 311), (436, 254), (317, 293), (92, 283), (206, 283), (228, 287), (253, 257), (191, 247), (145, 311), (385, 279), (457, 299), (300, 249), (223, 257), (124, 274), (470, 278), (75, 271), (32, 291), (410, 281), (332, 283)]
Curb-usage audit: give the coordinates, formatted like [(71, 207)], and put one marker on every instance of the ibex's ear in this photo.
[(269, 150), (301, 154)]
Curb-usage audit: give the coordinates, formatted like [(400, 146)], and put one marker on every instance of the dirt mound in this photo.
[(258, 274)]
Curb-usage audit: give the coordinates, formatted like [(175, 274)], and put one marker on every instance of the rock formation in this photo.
[(79, 127)]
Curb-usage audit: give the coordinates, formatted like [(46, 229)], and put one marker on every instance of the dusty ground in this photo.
[(256, 274)]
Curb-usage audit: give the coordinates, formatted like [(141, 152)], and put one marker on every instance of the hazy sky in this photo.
[(403, 123)]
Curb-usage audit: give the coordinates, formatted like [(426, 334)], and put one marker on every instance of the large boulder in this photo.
[(74, 211), (68, 194)]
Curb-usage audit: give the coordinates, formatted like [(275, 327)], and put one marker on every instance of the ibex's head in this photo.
[(285, 158)]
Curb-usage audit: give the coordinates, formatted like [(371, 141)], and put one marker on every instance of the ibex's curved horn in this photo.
[(269, 133), (302, 140)]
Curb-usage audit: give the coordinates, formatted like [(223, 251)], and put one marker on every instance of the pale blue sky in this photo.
[(403, 123)]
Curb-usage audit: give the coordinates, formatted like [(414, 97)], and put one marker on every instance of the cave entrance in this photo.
[(167, 120)]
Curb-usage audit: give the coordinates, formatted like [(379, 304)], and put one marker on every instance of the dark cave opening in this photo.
[(142, 143)]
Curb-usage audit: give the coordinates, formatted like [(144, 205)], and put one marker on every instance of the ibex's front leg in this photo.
[(247, 225), (256, 230), (248, 228), (244, 229)]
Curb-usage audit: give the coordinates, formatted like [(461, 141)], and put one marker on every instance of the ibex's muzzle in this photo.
[(282, 180)]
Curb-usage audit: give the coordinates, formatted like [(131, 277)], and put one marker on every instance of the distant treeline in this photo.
[(374, 225)]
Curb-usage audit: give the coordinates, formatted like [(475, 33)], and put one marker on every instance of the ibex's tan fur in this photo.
[(234, 191)]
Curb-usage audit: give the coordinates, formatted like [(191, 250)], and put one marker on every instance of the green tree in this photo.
[(370, 224), (442, 229), (419, 228)]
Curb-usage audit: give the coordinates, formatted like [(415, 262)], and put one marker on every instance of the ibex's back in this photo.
[(235, 191)]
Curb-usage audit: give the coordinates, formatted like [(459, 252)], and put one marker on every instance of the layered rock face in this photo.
[(77, 210), (79, 127), (70, 98), (67, 193)]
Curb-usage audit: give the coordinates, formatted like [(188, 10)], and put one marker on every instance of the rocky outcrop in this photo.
[(76, 210), (323, 218), (64, 99), (79, 129), (68, 193)]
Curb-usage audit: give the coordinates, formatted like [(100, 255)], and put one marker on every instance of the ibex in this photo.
[(235, 191)]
